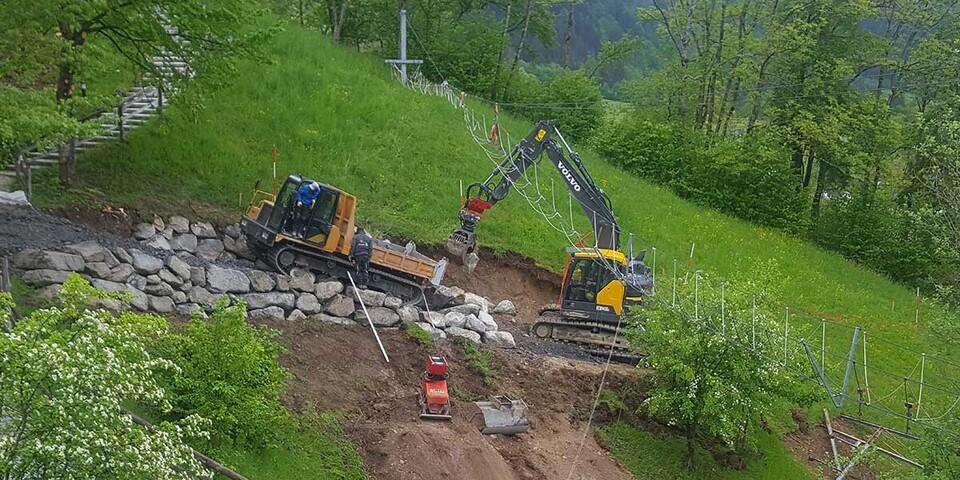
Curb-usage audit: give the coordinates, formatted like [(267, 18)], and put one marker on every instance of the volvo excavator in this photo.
[(599, 282)]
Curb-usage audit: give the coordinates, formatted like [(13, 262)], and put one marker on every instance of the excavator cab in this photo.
[(592, 289)]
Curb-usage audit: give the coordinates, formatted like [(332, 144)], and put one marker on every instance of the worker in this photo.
[(360, 251), (306, 196)]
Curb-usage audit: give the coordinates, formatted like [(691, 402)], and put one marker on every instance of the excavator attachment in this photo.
[(503, 415), (460, 243)]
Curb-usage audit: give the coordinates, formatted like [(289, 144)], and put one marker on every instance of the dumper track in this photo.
[(286, 256)]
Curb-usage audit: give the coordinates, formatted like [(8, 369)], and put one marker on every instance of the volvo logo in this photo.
[(569, 176)]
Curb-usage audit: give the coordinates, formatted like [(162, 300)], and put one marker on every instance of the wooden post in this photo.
[(29, 183), (833, 440)]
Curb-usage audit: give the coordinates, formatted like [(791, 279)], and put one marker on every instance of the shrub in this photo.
[(230, 375)]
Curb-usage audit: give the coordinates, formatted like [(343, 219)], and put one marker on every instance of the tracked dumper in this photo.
[(287, 235)]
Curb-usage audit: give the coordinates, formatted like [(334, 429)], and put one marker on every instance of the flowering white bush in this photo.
[(65, 375)]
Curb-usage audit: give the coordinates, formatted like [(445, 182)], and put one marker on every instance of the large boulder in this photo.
[(370, 298), (326, 290), (159, 242), (120, 273), (189, 309), (286, 301), (465, 309), (474, 323), (340, 306), (392, 302), (232, 230), (455, 319), (436, 333), (227, 280), (161, 289), (198, 276), (137, 299), (269, 314), (380, 316), (123, 255), (210, 249), (161, 304), (308, 304), (488, 321), (42, 278), (91, 251), (144, 231), (436, 319), (296, 316), (178, 224), (201, 296), (169, 277), (33, 259), (179, 267), (144, 263), (408, 313), (261, 281), (331, 320), (499, 339), (505, 307), (99, 269), (203, 230), (302, 280), (465, 334), (237, 246), (186, 242), (474, 299)]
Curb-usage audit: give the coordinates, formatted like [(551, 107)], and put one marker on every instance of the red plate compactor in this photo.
[(434, 399)]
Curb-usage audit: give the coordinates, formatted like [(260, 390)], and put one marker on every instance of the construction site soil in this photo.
[(341, 369)]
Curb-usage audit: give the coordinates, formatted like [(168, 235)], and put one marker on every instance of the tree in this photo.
[(710, 384), (67, 373)]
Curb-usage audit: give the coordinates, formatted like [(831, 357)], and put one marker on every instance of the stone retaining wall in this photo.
[(186, 268)]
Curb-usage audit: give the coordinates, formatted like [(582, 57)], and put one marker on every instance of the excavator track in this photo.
[(286, 256), (592, 337)]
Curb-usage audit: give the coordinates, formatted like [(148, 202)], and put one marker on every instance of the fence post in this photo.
[(160, 100), (5, 287), (19, 165), (30, 183)]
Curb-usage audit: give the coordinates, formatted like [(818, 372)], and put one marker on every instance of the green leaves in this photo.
[(229, 373), (67, 373)]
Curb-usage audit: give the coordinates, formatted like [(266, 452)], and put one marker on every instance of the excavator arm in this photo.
[(545, 138)]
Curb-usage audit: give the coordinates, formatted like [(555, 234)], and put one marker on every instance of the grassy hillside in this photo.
[(341, 118)]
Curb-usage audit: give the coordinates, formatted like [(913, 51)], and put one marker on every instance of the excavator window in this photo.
[(584, 281)]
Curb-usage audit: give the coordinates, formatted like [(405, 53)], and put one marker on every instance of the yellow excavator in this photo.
[(286, 235), (600, 282)]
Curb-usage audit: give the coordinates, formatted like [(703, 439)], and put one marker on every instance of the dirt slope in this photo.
[(341, 369)]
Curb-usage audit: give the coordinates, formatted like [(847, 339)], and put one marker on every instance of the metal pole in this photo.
[(674, 282), (786, 330), (833, 440), (369, 320), (403, 45), (823, 342), (723, 311), (696, 296), (850, 363), (917, 319), (30, 183), (866, 382), (653, 288), (923, 364)]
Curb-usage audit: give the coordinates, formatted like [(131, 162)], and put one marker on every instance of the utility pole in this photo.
[(403, 61)]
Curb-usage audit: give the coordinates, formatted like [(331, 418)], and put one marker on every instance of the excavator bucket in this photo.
[(459, 243), (503, 415)]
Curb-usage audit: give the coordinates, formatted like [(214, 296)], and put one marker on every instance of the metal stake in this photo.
[(369, 320), (923, 364), (696, 296)]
